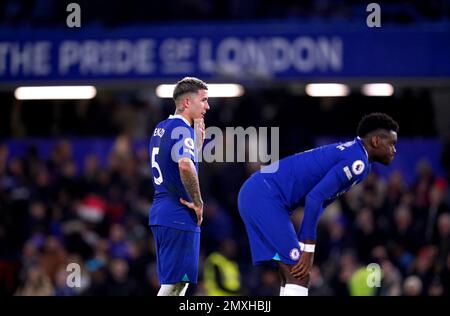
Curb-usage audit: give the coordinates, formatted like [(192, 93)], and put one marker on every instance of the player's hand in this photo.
[(198, 209), (303, 266), (199, 129)]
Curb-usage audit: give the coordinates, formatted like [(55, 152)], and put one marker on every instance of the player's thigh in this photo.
[(278, 232), (177, 254), (175, 243), (270, 229)]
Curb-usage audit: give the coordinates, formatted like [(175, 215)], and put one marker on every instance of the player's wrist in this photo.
[(307, 247), (198, 204)]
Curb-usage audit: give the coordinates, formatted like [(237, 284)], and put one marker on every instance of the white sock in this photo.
[(167, 290), (295, 290), (281, 290), (178, 289), (184, 289)]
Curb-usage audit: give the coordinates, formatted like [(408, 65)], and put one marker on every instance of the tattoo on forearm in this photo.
[(191, 184)]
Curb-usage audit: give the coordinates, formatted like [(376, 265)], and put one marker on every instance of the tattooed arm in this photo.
[(190, 181)]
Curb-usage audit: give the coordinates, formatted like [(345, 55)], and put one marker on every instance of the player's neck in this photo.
[(183, 114), (366, 144)]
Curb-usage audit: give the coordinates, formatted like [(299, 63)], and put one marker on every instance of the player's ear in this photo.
[(187, 101), (375, 141)]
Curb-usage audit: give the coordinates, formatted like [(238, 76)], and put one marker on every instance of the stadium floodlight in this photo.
[(55, 93), (215, 90), (377, 89), (327, 90)]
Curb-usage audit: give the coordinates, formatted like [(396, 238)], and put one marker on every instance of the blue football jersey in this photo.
[(172, 139), (315, 178)]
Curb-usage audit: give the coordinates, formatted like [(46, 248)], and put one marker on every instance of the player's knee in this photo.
[(303, 282), (285, 271)]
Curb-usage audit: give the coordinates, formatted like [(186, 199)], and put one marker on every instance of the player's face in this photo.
[(198, 104), (386, 142)]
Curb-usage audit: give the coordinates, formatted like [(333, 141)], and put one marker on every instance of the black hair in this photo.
[(188, 85), (374, 121)]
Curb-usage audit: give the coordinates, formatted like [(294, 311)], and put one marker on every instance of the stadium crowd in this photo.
[(53, 214), (50, 13)]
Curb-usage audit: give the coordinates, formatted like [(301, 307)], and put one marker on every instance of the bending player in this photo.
[(313, 179)]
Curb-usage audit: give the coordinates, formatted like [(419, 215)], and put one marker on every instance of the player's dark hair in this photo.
[(188, 85), (374, 121)]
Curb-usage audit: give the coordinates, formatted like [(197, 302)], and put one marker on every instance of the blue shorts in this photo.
[(177, 254), (270, 230)]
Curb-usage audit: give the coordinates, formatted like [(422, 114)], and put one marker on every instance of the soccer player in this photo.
[(177, 209), (313, 179)]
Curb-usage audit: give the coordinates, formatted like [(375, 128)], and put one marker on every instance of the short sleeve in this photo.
[(183, 143)]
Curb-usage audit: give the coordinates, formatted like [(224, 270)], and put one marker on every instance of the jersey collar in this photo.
[(361, 143), (179, 116)]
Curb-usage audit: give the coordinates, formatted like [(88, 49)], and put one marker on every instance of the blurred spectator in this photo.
[(443, 243), (423, 265), (92, 208), (423, 184), (217, 225), (445, 160), (395, 188), (412, 286), (118, 282), (44, 190), (334, 239), (61, 153), (404, 238), (118, 245), (365, 234), (435, 288), (438, 207), (395, 191), (153, 284), (91, 173), (268, 285), (61, 288), (348, 265), (318, 285), (358, 283), (445, 276), (36, 283), (38, 217), (53, 257), (221, 271), (392, 280)]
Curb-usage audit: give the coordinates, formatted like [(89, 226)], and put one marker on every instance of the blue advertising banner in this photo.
[(237, 51)]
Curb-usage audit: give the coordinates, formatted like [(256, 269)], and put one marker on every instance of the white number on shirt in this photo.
[(158, 180)]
